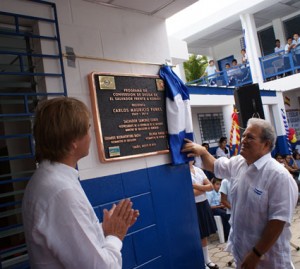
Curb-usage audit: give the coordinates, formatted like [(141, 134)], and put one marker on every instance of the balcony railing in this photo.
[(275, 65), (232, 77), (280, 64)]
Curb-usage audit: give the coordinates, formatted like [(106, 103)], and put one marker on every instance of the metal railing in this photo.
[(23, 83), (232, 77), (280, 64)]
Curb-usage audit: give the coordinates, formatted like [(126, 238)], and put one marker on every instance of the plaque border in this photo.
[(97, 121)]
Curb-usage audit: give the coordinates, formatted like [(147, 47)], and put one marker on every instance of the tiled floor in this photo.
[(221, 257)]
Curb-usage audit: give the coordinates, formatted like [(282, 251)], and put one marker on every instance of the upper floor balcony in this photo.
[(273, 67), (232, 77), (280, 64)]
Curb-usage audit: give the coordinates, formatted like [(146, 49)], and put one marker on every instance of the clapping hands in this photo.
[(119, 218)]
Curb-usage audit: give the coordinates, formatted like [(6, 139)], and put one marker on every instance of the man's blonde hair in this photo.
[(58, 123)]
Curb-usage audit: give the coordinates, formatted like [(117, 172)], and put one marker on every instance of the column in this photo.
[(179, 70), (227, 113), (252, 46), (267, 113), (279, 31), (281, 143)]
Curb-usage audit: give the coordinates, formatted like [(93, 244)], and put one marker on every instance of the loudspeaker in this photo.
[(248, 103)]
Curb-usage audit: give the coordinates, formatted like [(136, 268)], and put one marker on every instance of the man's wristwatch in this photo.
[(256, 252)]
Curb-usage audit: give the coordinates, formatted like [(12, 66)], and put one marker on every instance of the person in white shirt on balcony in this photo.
[(287, 56), (296, 47), (244, 57), (210, 71), (278, 47)]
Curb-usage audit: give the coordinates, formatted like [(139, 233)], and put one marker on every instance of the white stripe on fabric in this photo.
[(179, 115)]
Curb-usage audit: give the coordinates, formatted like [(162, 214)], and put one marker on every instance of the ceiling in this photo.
[(220, 32), (233, 28), (158, 8)]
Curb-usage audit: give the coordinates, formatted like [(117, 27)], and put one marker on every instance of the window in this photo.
[(211, 127), (291, 26), (266, 39)]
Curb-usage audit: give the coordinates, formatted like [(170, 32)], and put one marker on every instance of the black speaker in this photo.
[(248, 103)]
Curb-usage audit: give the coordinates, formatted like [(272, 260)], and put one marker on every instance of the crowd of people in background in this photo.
[(291, 51), (292, 163), (261, 190), (234, 69), (212, 199)]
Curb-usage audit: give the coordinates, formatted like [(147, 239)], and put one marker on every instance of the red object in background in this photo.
[(292, 135)]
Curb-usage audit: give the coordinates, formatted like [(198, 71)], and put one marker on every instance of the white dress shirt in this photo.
[(225, 188), (221, 153), (61, 228), (210, 70), (198, 178), (279, 49), (260, 192)]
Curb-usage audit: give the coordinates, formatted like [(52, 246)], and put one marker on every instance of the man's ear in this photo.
[(268, 144), (74, 145)]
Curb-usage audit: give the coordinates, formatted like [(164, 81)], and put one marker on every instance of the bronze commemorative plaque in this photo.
[(129, 115)]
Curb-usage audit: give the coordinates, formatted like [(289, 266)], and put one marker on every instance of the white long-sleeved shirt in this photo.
[(61, 227), (260, 192), (198, 178)]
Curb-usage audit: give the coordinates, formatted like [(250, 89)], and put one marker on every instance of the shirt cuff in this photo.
[(115, 241)]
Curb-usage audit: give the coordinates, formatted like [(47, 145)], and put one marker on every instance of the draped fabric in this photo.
[(179, 117)]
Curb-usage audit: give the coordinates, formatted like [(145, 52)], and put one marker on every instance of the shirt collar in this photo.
[(262, 161), (74, 174)]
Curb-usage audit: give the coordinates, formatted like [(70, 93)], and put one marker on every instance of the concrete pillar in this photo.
[(276, 109), (179, 70), (267, 113), (279, 31), (281, 144), (227, 112), (252, 46)]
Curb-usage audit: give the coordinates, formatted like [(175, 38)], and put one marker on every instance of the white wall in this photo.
[(104, 39), (178, 50), (272, 106), (294, 97), (228, 48), (102, 32), (284, 84)]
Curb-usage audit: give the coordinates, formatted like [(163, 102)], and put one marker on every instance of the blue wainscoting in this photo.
[(166, 235)]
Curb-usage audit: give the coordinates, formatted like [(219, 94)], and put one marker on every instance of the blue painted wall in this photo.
[(166, 234)]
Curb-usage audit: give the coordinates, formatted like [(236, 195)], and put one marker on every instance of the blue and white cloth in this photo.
[(179, 117)]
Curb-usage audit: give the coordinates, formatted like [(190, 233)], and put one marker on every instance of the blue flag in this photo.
[(179, 117)]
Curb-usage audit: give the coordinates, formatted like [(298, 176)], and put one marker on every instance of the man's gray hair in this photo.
[(267, 130)]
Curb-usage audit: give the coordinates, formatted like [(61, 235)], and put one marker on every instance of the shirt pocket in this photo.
[(257, 199)]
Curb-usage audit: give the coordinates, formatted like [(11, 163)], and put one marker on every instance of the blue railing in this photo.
[(280, 64), (275, 65), (233, 77)]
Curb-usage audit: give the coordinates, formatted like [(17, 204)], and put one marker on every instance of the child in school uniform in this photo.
[(207, 225), (218, 209)]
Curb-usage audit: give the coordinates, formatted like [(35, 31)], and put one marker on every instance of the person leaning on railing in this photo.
[(278, 47), (287, 49), (296, 47), (210, 71)]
